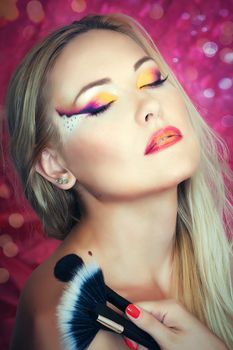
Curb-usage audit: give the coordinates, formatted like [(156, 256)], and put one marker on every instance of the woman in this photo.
[(90, 110)]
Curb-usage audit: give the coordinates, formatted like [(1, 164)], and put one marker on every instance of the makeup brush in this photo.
[(83, 310)]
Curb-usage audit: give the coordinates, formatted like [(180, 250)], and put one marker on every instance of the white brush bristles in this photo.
[(67, 304)]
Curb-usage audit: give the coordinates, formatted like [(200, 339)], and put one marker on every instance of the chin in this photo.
[(181, 170)]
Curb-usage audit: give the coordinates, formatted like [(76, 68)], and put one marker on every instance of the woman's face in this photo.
[(106, 151)]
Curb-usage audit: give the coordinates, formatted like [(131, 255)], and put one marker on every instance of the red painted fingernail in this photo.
[(133, 311), (130, 344)]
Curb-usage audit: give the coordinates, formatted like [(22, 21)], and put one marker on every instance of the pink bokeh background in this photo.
[(195, 38)]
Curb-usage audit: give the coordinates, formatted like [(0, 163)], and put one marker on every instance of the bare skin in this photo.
[(130, 199), (36, 324)]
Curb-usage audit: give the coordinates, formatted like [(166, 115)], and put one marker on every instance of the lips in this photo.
[(163, 138)]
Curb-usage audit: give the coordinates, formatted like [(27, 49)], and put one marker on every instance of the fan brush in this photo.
[(83, 310)]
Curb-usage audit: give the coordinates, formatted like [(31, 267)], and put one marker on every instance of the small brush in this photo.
[(82, 310)]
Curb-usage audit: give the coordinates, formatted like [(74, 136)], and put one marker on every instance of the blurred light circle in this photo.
[(156, 12), (225, 83), (196, 20), (78, 5), (175, 59), (16, 220), (224, 12), (204, 29), (4, 191), (28, 31), (201, 17), (4, 239), (35, 11), (209, 93), (10, 249), (185, 15), (226, 55), (193, 32), (4, 275), (210, 48), (227, 120), (228, 58)]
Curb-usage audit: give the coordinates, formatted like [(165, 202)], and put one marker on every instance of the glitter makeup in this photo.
[(98, 104)]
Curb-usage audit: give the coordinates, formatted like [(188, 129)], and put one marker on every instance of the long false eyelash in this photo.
[(101, 109), (155, 83), (105, 107)]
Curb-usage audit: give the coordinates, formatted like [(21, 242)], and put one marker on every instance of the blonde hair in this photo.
[(203, 246)]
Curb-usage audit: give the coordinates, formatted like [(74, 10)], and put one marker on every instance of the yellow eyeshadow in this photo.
[(146, 77), (104, 97)]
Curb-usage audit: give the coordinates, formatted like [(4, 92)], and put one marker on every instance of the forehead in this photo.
[(99, 46), (93, 55)]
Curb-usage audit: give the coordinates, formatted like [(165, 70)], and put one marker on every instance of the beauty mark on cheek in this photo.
[(71, 116), (147, 77)]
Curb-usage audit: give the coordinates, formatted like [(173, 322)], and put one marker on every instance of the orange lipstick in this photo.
[(163, 138)]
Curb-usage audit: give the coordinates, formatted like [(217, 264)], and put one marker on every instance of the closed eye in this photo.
[(107, 106), (101, 109), (155, 83)]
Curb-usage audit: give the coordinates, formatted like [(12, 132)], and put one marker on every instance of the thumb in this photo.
[(148, 322)]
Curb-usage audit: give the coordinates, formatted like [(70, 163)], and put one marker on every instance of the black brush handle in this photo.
[(116, 299), (130, 329), (122, 303)]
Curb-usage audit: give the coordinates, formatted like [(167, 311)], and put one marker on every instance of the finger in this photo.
[(130, 343), (169, 312), (133, 345), (146, 321), (156, 308)]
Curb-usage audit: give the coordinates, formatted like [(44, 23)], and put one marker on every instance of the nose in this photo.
[(148, 110)]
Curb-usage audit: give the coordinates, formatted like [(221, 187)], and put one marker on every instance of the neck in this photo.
[(133, 241)]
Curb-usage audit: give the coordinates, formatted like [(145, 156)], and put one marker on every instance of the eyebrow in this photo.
[(108, 80)]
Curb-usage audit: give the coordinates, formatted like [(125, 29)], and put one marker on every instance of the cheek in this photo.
[(69, 125), (92, 147)]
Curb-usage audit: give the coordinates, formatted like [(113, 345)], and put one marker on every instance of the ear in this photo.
[(51, 167)]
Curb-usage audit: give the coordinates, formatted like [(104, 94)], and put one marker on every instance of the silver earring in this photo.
[(62, 180)]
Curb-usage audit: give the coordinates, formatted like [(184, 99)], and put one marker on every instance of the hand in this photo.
[(172, 326)]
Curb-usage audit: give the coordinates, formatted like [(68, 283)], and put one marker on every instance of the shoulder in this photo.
[(36, 322), (35, 326)]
